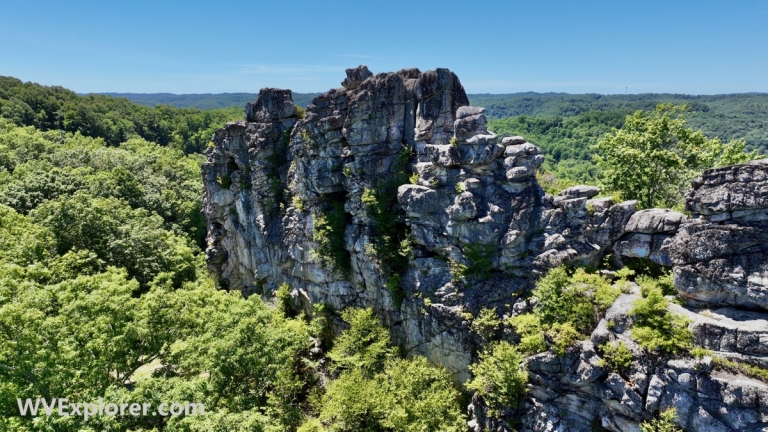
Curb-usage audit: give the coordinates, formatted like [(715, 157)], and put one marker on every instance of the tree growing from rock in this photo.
[(654, 157)]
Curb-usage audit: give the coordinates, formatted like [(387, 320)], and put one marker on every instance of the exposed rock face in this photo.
[(269, 178), (649, 233), (473, 203), (720, 256), (577, 392)]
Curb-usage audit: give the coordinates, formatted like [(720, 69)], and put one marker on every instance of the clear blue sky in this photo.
[(144, 46)]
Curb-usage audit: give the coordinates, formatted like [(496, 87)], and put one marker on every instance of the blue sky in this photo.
[(695, 47)]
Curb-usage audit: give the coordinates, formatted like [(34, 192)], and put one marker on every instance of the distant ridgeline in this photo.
[(565, 126), (204, 100), (727, 117)]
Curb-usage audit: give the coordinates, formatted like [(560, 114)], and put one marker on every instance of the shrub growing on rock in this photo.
[(500, 376), (616, 357), (656, 328), (568, 308), (365, 346), (664, 423)]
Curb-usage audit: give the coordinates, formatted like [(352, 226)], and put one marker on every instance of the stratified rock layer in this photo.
[(720, 256)]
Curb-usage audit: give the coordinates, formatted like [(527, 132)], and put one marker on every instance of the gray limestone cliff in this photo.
[(391, 193)]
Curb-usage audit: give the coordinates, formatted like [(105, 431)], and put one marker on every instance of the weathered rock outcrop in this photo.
[(577, 392), (720, 256), (269, 178), (478, 231), (648, 235)]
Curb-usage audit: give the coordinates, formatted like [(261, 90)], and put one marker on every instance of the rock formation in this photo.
[(391, 193), (719, 256)]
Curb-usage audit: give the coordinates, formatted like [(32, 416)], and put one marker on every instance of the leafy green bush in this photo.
[(656, 328), (328, 232), (283, 299), (500, 376), (616, 356), (568, 308), (664, 423), (376, 391), (486, 324)]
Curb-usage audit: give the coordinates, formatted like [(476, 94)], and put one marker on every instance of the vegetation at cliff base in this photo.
[(378, 391)]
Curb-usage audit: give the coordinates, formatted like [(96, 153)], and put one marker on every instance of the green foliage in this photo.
[(375, 391), (500, 376), (726, 116), (655, 155), (563, 335), (113, 119), (389, 233), (328, 232), (298, 203), (36, 167), (364, 346), (531, 332), (567, 142), (487, 324), (656, 328), (663, 282), (567, 310), (88, 335), (665, 422), (580, 299), (407, 395), (735, 367), (616, 357), (552, 184), (479, 265), (300, 111), (311, 425), (283, 299), (119, 235)]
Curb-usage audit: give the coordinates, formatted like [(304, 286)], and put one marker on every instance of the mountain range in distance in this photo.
[(500, 105)]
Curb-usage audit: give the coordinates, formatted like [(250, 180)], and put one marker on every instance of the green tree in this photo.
[(655, 155), (364, 346), (500, 376)]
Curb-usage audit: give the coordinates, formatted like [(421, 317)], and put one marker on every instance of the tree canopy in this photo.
[(655, 155)]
